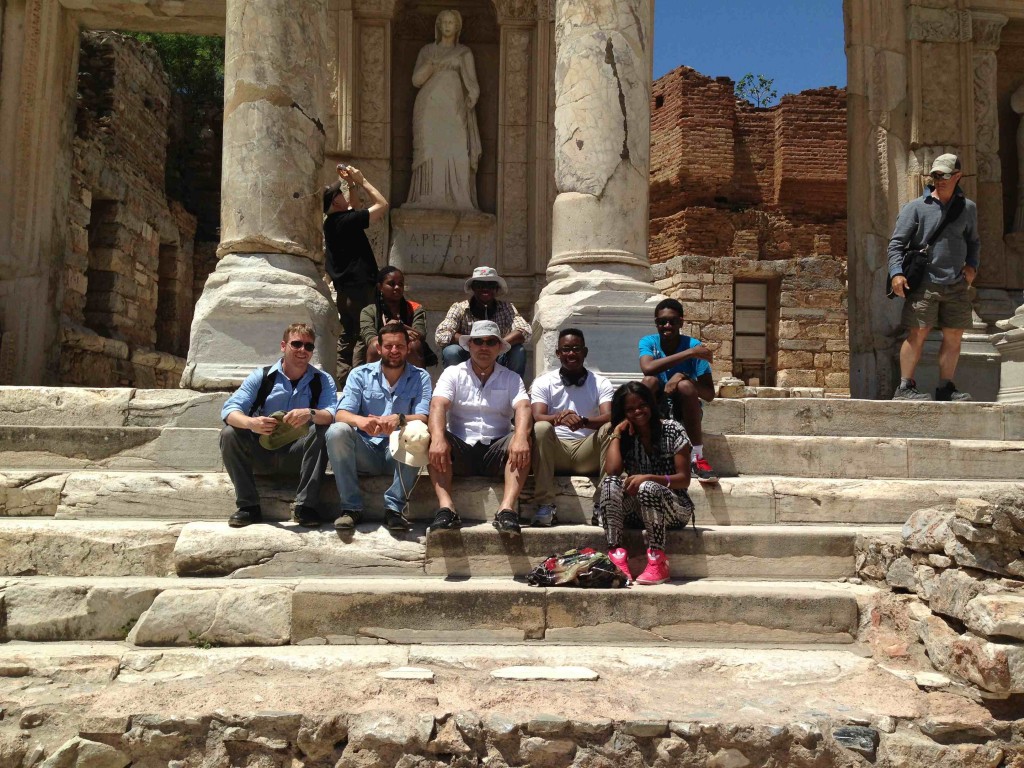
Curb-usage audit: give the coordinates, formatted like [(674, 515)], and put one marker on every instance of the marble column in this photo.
[(271, 249), (599, 277)]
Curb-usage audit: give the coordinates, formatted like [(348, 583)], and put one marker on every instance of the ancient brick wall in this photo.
[(741, 194), (128, 276)]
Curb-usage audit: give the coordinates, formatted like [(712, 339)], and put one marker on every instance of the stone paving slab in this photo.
[(63, 406), (485, 610), (733, 501), (139, 448)]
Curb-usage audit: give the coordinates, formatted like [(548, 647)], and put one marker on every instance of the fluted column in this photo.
[(599, 277), (275, 103)]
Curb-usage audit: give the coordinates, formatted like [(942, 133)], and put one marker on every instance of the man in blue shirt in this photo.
[(378, 399), (250, 428), (678, 367)]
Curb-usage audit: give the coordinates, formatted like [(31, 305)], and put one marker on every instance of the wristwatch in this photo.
[(312, 413)]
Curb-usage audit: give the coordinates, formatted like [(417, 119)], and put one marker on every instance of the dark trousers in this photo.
[(351, 300), (244, 456)]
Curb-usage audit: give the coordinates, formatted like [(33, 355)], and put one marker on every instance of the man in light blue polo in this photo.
[(276, 422), (378, 399)]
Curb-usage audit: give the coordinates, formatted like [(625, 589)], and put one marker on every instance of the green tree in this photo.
[(757, 89), (194, 64)]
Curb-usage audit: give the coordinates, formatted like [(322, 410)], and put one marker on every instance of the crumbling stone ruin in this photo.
[(748, 227)]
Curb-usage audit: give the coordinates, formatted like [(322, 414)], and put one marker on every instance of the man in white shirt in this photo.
[(570, 405), (478, 400)]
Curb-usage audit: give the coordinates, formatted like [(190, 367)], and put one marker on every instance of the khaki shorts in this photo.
[(939, 306)]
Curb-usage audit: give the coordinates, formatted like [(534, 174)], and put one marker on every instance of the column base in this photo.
[(612, 322), (247, 303)]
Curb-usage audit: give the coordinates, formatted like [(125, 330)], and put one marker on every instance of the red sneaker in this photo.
[(621, 560), (656, 571), (700, 469)]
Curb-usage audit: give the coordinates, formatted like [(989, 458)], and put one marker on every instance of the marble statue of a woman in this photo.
[(446, 139)]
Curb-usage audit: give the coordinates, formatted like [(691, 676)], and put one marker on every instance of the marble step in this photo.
[(207, 612), (46, 547), (193, 449), (757, 499), (61, 406)]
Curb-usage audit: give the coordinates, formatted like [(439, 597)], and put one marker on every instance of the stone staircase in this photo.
[(113, 506)]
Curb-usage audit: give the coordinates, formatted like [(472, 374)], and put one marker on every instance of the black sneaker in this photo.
[(909, 393), (305, 516), (347, 520), (245, 516), (700, 469), (395, 521), (445, 519), (507, 521), (950, 393)]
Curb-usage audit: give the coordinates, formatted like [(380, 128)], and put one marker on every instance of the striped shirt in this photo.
[(460, 320)]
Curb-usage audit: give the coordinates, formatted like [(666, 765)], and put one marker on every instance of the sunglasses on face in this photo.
[(309, 346), (668, 321), (567, 350), (485, 286), (490, 341), (937, 176)]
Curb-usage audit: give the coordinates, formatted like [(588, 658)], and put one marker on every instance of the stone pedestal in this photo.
[(248, 302), (271, 239), (441, 242), (976, 373), (1010, 345), (599, 278)]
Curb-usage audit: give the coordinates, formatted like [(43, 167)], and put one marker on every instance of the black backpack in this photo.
[(316, 386)]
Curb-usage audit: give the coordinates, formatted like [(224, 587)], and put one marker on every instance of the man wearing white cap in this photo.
[(378, 401), (943, 297), (484, 286), (471, 427)]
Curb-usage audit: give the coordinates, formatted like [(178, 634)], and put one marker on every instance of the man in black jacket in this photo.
[(350, 261)]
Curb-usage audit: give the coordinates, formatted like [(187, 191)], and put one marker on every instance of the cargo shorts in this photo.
[(939, 306)]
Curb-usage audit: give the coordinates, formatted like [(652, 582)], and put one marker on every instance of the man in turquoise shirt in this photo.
[(678, 367), (378, 399)]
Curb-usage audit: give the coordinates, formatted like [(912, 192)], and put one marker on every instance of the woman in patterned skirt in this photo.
[(654, 454)]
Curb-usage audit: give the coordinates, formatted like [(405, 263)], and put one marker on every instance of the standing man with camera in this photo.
[(350, 261), (943, 297)]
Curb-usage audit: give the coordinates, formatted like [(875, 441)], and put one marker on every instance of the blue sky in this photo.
[(799, 43)]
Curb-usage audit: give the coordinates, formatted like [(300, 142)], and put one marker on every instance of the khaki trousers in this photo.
[(551, 455)]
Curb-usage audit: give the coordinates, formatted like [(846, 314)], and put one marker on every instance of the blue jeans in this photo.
[(514, 359), (351, 454)]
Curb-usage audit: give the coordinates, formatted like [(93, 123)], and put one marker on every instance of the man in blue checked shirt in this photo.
[(304, 397), (378, 399)]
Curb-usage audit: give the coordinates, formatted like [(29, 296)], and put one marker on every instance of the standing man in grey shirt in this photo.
[(943, 298)]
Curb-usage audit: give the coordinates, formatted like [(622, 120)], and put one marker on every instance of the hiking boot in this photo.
[(909, 393), (245, 516), (700, 469), (395, 521), (507, 521), (305, 516), (445, 519), (621, 560), (347, 520), (950, 393), (656, 571), (544, 517)]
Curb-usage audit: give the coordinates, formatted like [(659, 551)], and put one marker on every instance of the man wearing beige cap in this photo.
[(943, 297), (471, 427), (483, 287)]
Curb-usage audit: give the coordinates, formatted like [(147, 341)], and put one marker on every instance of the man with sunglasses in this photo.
[(471, 427), (253, 439), (570, 405), (484, 286), (943, 298), (677, 369)]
